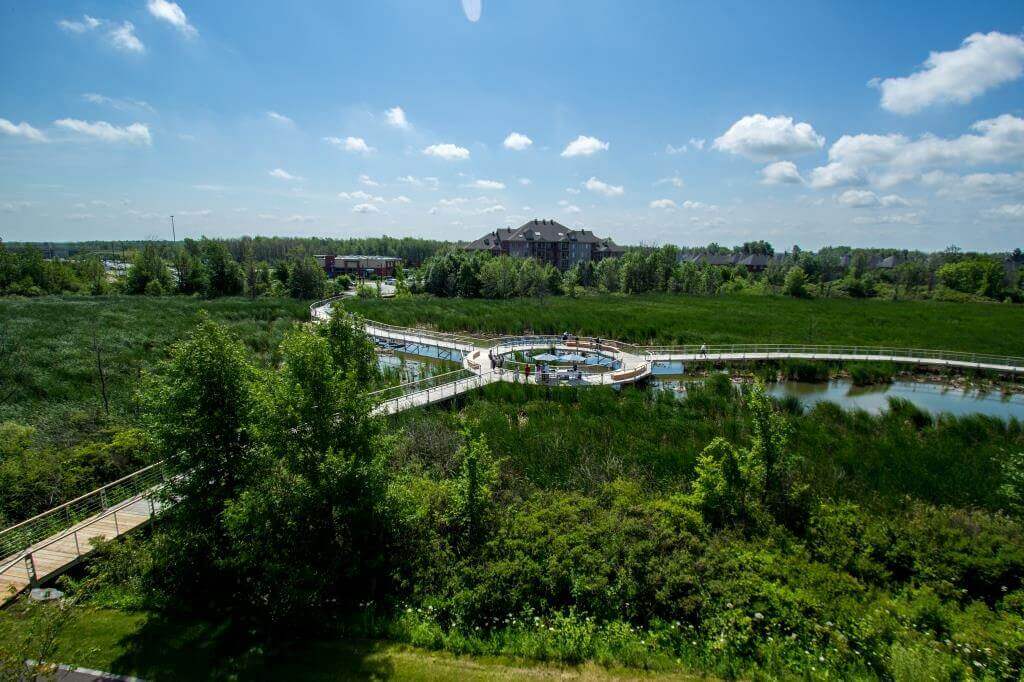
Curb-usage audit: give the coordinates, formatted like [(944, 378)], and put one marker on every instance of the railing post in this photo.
[(30, 568), (78, 550), (117, 529), (103, 498)]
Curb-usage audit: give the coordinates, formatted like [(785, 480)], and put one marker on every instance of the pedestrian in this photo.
[(704, 349), (527, 371)]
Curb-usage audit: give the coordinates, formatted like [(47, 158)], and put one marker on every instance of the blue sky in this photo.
[(886, 124)]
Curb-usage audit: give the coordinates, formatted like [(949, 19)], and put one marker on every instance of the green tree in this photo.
[(147, 267), (796, 282), (307, 280), (352, 352)]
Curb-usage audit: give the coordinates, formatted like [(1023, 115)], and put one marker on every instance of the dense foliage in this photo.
[(831, 272)]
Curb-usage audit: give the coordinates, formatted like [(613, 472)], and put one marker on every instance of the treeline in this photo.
[(269, 249), (206, 268), (831, 272)]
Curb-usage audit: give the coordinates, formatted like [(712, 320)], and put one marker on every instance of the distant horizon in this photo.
[(665, 123)]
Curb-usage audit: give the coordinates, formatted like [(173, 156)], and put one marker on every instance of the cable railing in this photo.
[(762, 351), (419, 385), (77, 540), (23, 535), (443, 391)]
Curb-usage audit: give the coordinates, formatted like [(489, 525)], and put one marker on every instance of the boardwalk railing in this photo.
[(427, 395), (76, 541), (418, 386), (21, 536), (761, 351)]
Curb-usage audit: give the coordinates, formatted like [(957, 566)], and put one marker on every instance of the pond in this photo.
[(402, 367), (932, 397)]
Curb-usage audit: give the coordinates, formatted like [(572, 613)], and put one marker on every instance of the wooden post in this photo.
[(30, 568)]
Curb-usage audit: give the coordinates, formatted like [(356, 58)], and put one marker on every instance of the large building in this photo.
[(549, 242), (359, 267)]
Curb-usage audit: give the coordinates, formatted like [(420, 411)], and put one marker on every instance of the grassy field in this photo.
[(150, 647), (672, 319), (51, 361)]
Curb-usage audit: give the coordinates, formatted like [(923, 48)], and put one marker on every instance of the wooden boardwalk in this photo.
[(53, 556)]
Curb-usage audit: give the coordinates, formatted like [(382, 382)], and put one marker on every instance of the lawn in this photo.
[(679, 319), (153, 648)]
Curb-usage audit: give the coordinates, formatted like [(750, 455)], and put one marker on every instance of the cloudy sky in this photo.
[(868, 123)]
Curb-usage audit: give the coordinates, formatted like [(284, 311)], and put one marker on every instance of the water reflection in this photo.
[(932, 397)]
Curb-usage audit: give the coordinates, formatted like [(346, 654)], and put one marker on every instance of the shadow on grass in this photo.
[(165, 648)]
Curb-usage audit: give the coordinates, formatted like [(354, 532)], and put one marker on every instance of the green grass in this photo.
[(53, 364), (677, 319), (155, 648)]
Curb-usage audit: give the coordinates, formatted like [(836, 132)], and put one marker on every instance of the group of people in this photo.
[(568, 336)]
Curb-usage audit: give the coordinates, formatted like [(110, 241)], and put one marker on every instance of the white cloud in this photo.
[(572, 208), (595, 185), (669, 149), (888, 159), (86, 24), (395, 116), (164, 10), (136, 133), (280, 118), (119, 103), (572, 190), (360, 195), (365, 208), (487, 184), (454, 201), (834, 175), (430, 183), (781, 173), (77, 217), (893, 200), (666, 204), (584, 146), (760, 137), (974, 185), (699, 205), (365, 179), (282, 174), (497, 208), (909, 218), (22, 129), (675, 181), (1013, 211), (517, 141), (982, 62), (123, 38), (402, 199), (447, 151), (525, 181), (858, 198), (355, 145), (300, 218), (697, 143)]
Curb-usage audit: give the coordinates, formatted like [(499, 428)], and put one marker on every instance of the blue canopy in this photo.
[(595, 360), (574, 357), (545, 357)]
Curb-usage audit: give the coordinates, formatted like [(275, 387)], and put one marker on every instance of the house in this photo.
[(753, 262), (357, 266), (549, 242)]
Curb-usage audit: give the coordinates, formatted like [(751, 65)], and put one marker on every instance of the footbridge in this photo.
[(47, 545)]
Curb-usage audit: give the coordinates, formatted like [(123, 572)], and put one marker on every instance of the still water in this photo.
[(932, 397)]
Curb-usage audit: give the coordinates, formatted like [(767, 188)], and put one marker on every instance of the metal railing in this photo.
[(23, 535), (431, 394), (418, 386), (825, 352), (23, 562)]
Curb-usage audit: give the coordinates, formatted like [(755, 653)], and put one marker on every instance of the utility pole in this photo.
[(174, 237)]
